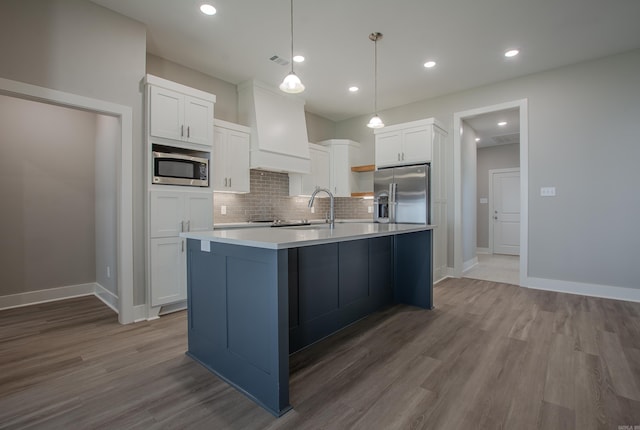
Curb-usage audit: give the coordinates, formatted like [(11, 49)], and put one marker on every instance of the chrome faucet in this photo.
[(332, 217)]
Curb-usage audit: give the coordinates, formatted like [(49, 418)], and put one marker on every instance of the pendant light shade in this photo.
[(375, 121), (291, 83)]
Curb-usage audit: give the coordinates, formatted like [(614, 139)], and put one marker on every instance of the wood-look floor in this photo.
[(489, 356)]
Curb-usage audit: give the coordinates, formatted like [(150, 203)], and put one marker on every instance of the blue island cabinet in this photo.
[(250, 307)]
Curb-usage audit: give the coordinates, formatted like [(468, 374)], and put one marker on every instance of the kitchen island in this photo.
[(256, 295)]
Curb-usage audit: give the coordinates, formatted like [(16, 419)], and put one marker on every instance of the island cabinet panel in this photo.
[(333, 286), (237, 302), (414, 269)]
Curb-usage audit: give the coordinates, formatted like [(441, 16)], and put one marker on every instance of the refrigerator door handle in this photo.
[(393, 188)]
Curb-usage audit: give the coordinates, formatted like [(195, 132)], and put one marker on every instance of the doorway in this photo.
[(474, 209), (124, 177)]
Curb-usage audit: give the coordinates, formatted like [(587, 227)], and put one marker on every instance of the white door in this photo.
[(199, 211), (167, 213), (416, 145), (238, 161), (218, 173), (387, 149), (166, 113), (506, 212), (168, 273)]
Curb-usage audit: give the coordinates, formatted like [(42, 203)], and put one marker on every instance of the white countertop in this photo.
[(249, 224), (295, 237)]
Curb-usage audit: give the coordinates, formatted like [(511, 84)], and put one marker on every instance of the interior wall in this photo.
[(319, 128), (107, 141), (469, 194), (583, 139), (226, 93), (81, 48), (489, 158), (47, 189)]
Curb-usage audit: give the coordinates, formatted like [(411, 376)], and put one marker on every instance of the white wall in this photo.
[(47, 192), (81, 48), (468, 149), (492, 157), (584, 140), (107, 141)]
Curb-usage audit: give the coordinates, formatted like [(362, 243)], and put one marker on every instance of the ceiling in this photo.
[(467, 39), (490, 133)]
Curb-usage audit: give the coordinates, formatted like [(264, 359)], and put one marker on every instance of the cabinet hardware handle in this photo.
[(182, 226), (188, 131), (189, 225), (182, 130), (182, 245), (225, 182), (398, 156), (229, 182), (403, 156)]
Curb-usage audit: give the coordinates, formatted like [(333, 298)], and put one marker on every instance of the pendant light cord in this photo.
[(375, 76), (291, 36)]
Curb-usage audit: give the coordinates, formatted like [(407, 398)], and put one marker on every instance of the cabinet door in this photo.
[(219, 165), (388, 149), (199, 211), (168, 274), (166, 113), (341, 171), (416, 145), (238, 161), (166, 210), (320, 168), (198, 121)]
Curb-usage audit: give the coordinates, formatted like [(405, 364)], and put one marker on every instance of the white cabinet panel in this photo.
[(388, 149), (198, 116), (416, 145), (168, 274), (166, 113), (176, 116), (301, 184), (231, 158), (166, 210), (198, 212)]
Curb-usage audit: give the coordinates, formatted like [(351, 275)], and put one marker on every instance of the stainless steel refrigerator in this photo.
[(401, 194)]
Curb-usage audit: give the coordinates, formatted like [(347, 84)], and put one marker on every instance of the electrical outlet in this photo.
[(547, 191), (108, 272), (370, 209), (223, 210), (313, 210)]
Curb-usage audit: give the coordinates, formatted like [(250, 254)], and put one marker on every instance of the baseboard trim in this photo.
[(482, 251), (469, 264), (584, 289), (107, 297), (49, 295), (139, 313)]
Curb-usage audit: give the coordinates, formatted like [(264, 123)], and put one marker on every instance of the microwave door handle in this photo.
[(179, 157)]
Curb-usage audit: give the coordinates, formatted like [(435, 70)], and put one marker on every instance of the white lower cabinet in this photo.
[(170, 213), (168, 270)]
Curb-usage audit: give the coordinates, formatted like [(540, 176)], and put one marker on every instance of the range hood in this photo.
[(279, 141)]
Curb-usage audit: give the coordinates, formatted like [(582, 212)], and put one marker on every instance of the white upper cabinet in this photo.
[(185, 116), (231, 157), (304, 184), (344, 154), (408, 143)]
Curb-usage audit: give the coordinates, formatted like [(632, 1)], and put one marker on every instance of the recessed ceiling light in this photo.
[(429, 64), (511, 53), (298, 58), (354, 89), (207, 9), (477, 139), (502, 123)]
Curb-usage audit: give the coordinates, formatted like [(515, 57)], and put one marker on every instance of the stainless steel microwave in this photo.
[(171, 168)]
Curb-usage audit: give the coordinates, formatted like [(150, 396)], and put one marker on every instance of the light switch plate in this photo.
[(223, 210), (370, 209), (484, 200), (547, 191), (205, 246)]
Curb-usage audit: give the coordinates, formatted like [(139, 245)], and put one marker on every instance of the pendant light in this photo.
[(375, 121), (291, 83)]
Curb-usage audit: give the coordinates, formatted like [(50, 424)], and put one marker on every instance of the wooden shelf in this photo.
[(366, 168), (367, 194)]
